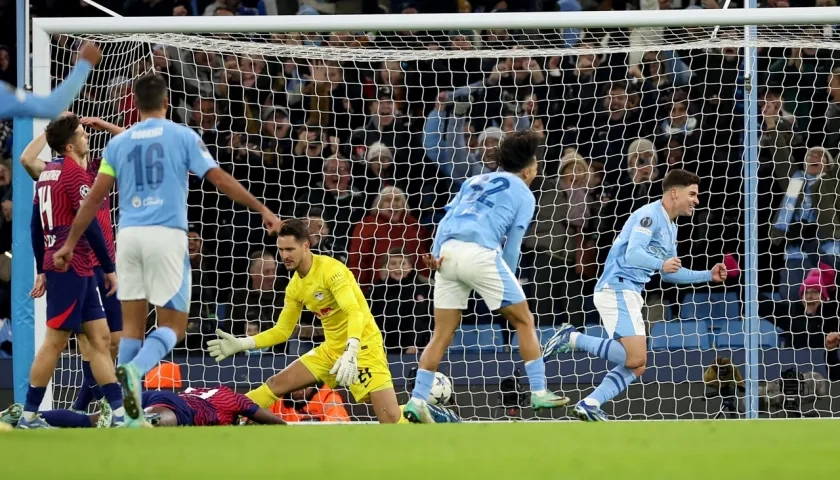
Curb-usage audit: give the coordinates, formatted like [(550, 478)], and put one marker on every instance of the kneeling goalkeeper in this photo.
[(352, 355)]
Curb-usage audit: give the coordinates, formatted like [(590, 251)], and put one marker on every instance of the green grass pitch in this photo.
[(563, 450)]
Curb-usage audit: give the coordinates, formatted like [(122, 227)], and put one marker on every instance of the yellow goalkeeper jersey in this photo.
[(331, 292)]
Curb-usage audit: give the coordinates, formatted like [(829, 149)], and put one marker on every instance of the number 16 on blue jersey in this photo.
[(151, 162)]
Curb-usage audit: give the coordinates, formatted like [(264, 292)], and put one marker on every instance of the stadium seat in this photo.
[(476, 338), (732, 336), (716, 308), (680, 335)]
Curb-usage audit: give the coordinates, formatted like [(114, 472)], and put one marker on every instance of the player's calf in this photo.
[(102, 365), (636, 348), (40, 374)]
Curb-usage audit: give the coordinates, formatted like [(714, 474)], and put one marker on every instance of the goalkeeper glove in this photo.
[(227, 345), (345, 369)]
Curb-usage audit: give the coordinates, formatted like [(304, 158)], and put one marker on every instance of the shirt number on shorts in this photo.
[(365, 376)]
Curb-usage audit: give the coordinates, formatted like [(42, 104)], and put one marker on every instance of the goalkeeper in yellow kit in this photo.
[(352, 354)]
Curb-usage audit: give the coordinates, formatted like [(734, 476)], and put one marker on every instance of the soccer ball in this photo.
[(441, 390)]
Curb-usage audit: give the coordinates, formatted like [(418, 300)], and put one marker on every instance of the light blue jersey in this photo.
[(489, 210), (646, 241), (19, 103), (151, 162)]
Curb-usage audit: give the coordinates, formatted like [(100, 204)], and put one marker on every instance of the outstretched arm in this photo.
[(265, 417), (684, 275), (18, 103)]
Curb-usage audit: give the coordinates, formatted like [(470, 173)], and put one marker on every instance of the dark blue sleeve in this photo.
[(96, 239), (37, 237)]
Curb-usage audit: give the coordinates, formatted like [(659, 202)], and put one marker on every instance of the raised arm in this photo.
[(684, 275), (23, 104), (29, 158)]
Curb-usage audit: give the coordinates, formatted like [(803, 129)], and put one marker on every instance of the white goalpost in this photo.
[(366, 125)]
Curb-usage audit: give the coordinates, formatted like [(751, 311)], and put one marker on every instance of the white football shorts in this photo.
[(153, 263), (469, 266), (621, 312)]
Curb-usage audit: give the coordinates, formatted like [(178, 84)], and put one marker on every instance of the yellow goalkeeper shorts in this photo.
[(374, 374)]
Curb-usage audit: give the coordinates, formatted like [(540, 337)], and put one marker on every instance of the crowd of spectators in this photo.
[(369, 152)]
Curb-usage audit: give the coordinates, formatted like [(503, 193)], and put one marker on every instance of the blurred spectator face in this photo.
[(391, 73), (204, 113), (461, 42), (317, 230), (586, 62), (811, 299), (291, 251), (159, 59), (194, 244), (398, 267), (771, 104), (252, 328), (379, 164), (679, 113), (337, 174), (575, 174), (391, 205), (224, 12), (180, 11), (383, 110), (263, 273), (5, 175), (7, 210), (617, 101), (5, 60), (816, 161), (642, 165), (277, 126)]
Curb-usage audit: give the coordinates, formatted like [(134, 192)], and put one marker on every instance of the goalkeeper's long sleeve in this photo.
[(342, 290), (284, 327), (685, 275), (17, 103)]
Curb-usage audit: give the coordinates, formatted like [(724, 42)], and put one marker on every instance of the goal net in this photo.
[(368, 136)]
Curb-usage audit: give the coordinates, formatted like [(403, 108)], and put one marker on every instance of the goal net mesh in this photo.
[(368, 135)]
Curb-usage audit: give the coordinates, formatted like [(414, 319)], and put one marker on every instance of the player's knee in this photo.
[(390, 415), (636, 361)]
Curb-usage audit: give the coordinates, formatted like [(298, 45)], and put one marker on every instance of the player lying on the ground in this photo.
[(73, 300), (647, 244), (18, 103), (352, 354), (151, 163), (195, 407), (489, 211), (33, 165)]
